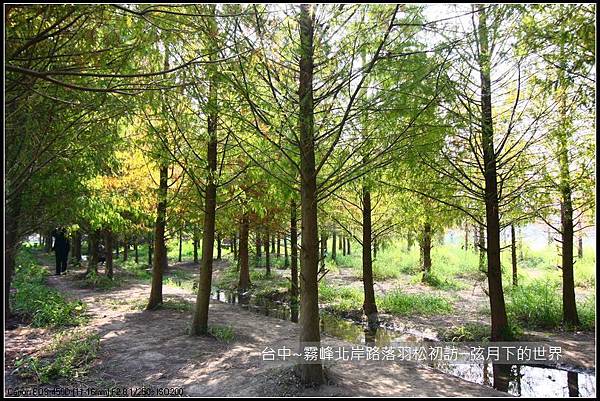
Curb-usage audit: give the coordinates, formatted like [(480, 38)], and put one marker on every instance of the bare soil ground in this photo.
[(153, 350)]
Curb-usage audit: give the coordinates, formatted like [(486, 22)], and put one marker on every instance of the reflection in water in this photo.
[(573, 383), (518, 380)]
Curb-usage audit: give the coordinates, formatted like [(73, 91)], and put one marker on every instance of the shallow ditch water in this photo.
[(517, 380)]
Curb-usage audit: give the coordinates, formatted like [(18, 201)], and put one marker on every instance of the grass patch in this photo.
[(468, 332), (69, 357), (42, 305), (341, 298), (399, 303), (435, 281), (96, 281), (539, 305), (222, 333)]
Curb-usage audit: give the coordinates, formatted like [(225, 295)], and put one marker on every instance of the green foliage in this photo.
[(222, 333), (399, 303), (45, 306), (69, 357), (101, 282)]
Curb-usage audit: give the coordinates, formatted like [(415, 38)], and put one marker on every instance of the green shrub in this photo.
[(44, 306), (222, 333)]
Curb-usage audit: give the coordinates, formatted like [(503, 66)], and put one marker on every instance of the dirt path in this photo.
[(152, 349)]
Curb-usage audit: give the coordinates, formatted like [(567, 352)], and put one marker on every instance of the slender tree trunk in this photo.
[(180, 245), (258, 247), (150, 250), (244, 282), (77, 246), (294, 290), (195, 245), (200, 319), (482, 252), (343, 241), (234, 246), (323, 250), (466, 246), (219, 247), (497, 306), (126, 249), (310, 374), (278, 246), (116, 240), (513, 253), (286, 260), (267, 255), (409, 241), (160, 250), (348, 246), (426, 251), (369, 305), (48, 241), (108, 242), (93, 252), (136, 254), (272, 244), (333, 245)]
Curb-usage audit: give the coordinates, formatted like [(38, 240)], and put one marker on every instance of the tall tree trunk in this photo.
[(195, 244), (135, 248), (343, 241), (348, 246), (180, 245), (244, 282), (258, 247), (219, 247), (580, 247), (93, 239), (513, 253), (48, 241), (334, 244), (160, 250), (323, 250), (426, 251), (294, 261), (125, 249), (77, 246), (278, 245), (466, 246), (310, 374), (108, 244), (150, 250), (267, 255), (234, 247), (369, 305), (497, 306), (481, 246), (286, 260), (200, 319)]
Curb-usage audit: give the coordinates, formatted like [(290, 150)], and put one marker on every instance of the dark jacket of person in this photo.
[(61, 243)]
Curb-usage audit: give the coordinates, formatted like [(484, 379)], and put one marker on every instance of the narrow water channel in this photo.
[(517, 380)]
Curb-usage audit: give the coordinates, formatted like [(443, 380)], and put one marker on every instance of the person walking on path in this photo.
[(61, 250)]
